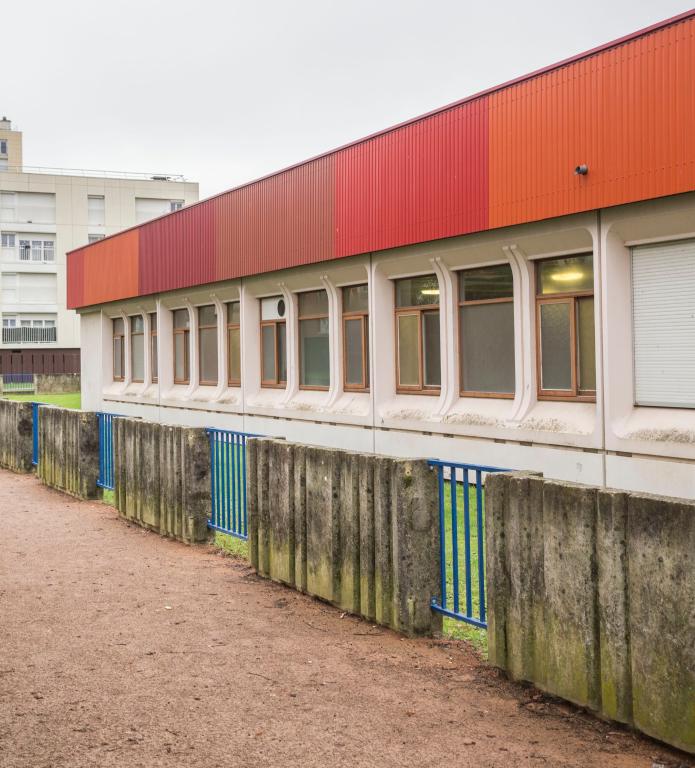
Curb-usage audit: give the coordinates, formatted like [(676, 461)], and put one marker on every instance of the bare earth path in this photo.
[(119, 648)]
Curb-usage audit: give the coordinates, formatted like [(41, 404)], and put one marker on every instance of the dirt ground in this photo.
[(120, 648)]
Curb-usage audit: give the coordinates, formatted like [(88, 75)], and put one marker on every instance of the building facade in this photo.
[(43, 214), (508, 281)]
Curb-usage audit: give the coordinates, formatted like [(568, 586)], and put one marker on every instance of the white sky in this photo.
[(224, 92)]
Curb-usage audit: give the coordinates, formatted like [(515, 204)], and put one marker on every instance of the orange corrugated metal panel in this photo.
[(285, 220), (111, 268), (628, 113)]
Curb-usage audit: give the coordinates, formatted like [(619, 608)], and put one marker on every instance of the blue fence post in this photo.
[(106, 469), (449, 561)]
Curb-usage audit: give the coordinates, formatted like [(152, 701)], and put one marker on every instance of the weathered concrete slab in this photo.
[(16, 435)]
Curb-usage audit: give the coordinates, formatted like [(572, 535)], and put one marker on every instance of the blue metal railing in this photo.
[(106, 478), (17, 382), (461, 542), (228, 482), (35, 433)]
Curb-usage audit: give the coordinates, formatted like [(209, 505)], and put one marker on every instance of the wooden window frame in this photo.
[(363, 316), (300, 318), (571, 298), (186, 333), (137, 333), (207, 327), (233, 327), (420, 311), (461, 303), (275, 383), (153, 357), (115, 336)]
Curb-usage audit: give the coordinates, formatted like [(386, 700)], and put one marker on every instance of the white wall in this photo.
[(610, 441)]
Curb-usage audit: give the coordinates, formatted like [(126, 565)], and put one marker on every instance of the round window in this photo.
[(281, 307)]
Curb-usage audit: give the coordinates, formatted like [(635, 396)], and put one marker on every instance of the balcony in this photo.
[(28, 335)]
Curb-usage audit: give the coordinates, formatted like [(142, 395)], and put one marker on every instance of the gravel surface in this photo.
[(120, 648)]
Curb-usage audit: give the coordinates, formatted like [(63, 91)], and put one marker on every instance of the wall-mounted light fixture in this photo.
[(581, 170)]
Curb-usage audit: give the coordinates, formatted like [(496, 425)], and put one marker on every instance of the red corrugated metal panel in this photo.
[(75, 280), (286, 220), (628, 113), (424, 181), (179, 250), (111, 268)]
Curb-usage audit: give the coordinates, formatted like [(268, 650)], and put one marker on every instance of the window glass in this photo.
[(314, 359), (181, 319), (417, 291), (408, 350), (118, 371), (268, 349), (487, 347), (355, 299), (118, 325), (137, 324), (137, 348), (354, 358), (153, 321), (486, 283), (233, 312), (180, 357), (282, 352), (234, 354), (431, 364), (313, 303), (556, 351), (207, 315), (572, 274), (585, 344)]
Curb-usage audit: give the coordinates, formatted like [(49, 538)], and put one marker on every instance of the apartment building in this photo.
[(45, 212)]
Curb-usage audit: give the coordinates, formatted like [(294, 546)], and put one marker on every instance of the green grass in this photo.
[(109, 497), (232, 545), (452, 627), (67, 400)]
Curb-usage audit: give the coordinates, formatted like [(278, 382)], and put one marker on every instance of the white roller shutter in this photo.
[(663, 301)]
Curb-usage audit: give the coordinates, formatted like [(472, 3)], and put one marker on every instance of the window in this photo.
[(153, 346), (314, 356), (118, 349), (36, 250), (137, 348), (418, 353), (233, 344), (3, 146), (8, 206), (150, 207), (565, 323), (29, 330), (356, 338), (663, 309), (486, 332), (207, 344), (95, 210), (8, 240), (175, 205), (8, 288), (94, 238), (182, 332), (273, 342)]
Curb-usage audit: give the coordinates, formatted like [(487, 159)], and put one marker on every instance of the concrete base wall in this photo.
[(16, 440), (357, 530), (162, 478), (591, 596), (69, 451), (56, 383)]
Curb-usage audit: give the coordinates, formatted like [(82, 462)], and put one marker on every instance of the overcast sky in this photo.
[(224, 92)]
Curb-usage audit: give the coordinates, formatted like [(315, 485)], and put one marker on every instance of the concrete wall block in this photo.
[(415, 547), (496, 571), (661, 586), (367, 591), (349, 533), (322, 522), (263, 507), (51, 383), (613, 608), (252, 493), (300, 499), (86, 467), (197, 498), (383, 556), (281, 536), (16, 435), (149, 480)]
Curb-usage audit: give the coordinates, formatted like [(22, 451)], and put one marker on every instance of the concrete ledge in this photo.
[(591, 596), (357, 530)]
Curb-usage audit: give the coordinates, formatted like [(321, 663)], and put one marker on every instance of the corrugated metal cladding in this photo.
[(502, 158)]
